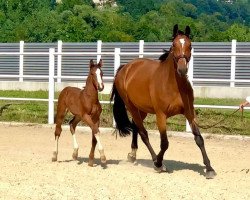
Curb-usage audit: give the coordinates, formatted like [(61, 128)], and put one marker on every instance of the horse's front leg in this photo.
[(161, 124), (95, 140), (210, 173)]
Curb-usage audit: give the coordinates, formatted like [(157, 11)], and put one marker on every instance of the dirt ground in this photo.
[(26, 170)]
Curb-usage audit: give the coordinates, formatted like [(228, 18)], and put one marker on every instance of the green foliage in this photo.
[(132, 20)]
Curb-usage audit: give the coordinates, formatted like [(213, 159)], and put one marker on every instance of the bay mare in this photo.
[(159, 87)]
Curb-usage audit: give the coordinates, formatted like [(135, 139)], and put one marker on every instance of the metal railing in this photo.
[(117, 61)]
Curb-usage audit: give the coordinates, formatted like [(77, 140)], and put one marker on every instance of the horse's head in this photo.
[(96, 73), (181, 49)]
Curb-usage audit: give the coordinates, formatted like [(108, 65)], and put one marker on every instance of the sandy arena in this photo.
[(28, 173)]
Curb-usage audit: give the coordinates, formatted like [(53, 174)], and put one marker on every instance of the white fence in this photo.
[(117, 55)]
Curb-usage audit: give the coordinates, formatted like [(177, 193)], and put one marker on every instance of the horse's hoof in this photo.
[(91, 163), (103, 162), (163, 168), (103, 159), (131, 158), (210, 174), (75, 154), (54, 157)]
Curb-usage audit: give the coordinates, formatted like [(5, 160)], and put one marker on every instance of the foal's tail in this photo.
[(123, 124)]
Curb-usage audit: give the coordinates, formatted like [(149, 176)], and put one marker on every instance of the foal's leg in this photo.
[(73, 123), (59, 120), (92, 151), (96, 134), (210, 173)]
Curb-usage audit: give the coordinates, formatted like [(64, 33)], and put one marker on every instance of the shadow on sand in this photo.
[(172, 165)]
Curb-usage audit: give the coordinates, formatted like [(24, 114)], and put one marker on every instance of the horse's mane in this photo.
[(164, 56)]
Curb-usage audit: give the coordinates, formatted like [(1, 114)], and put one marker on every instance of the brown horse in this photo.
[(85, 106), (159, 87)]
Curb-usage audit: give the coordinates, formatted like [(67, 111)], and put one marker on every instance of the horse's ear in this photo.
[(91, 63), (175, 30), (187, 31), (100, 63)]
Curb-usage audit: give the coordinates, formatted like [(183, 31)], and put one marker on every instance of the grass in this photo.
[(37, 112)]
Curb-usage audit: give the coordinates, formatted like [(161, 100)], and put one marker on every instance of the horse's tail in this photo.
[(123, 124)]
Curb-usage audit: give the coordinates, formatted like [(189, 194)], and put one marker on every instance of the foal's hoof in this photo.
[(103, 162), (54, 157), (75, 154), (163, 168), (131, 158), (210, 174)]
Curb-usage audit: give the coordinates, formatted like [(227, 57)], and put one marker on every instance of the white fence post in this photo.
[(190, 78), (117, 59), (99, 51), (21, 50), (233, 63), (59, 61), (141, 48), (51, 86)]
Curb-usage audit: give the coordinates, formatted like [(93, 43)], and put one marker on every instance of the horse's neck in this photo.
[(171, 74), (90, 88)]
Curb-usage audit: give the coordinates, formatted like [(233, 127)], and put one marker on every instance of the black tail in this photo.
[(123, 124)]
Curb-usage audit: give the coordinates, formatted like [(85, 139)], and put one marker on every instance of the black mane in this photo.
[(164, 56)]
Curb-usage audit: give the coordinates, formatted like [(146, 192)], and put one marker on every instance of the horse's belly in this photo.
[(141, 99)]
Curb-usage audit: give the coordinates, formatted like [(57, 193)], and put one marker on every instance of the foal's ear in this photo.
[(91, 63), (175, 30), (100, 63), (187, 31)]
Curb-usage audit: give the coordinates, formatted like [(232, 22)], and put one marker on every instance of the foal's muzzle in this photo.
[(100, 87)]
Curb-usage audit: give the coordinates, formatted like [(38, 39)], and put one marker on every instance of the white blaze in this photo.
[(98, 75), (182, 41)]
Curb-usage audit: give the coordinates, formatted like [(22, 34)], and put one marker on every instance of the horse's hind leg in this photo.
[(59, 119), (138, 118), (210, 173), (134, 144), (73, 123)]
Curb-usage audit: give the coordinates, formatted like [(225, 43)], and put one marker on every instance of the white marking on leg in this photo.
[(56, 144), (97, 136), (75, 144), (133, 152)]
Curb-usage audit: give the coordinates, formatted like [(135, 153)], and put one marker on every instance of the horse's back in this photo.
[(69, 97)]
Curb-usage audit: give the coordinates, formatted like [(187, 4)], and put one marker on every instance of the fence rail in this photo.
[(117, 54)]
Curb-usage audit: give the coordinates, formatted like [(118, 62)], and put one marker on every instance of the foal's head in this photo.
[(181, 49), (96, 73)]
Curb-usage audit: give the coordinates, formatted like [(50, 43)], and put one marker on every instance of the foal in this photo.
[(85, 106)]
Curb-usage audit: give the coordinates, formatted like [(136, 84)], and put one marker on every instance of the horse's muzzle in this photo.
[(182, 67)]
